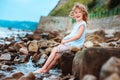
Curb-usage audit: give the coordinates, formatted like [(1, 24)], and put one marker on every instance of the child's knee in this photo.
[(54, 49)]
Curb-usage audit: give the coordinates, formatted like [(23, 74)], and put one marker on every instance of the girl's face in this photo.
[(78, 14)]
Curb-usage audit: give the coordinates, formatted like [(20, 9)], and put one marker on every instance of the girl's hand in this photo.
[(63, 41)]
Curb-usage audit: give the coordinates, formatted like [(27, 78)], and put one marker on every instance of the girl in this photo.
[(75, 39)]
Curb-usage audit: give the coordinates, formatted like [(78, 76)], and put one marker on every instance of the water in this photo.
[(5, 32)]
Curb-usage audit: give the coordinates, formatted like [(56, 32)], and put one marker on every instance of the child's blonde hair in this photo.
[(83, 8)]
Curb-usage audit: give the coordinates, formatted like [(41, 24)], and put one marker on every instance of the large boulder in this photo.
[(92, 60), (110, 67)]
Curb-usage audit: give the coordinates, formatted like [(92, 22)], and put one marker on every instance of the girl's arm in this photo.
[(77, 36)]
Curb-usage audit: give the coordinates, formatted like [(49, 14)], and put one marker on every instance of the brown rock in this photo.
[(77, 62), (66, 62), (18, 45), (111, 66), (17, 75), (9, 78), (93, 59), (29, 76), (33, 46), (113, 76), (23, 51), (48, 50), (36, 57)]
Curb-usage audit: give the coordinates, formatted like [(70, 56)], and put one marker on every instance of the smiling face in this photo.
[(78, 14)]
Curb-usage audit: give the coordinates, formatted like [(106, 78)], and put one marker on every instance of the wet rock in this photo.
[(23, 51), (66, 62), (8, 78), (17, 75), (29, 76), (111, 66), (6, 67), (33, 46), (93, 59), (36, 57), (45, 35), (113, 76), (2, 75), (89, 77), (5, 56)]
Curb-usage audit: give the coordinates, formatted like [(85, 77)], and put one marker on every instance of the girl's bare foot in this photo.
[(45, 71), (39, 70)]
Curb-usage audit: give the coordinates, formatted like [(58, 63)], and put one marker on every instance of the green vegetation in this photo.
[(94, 7)]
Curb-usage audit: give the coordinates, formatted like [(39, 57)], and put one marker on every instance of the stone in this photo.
[(77, 62), (33, 46), (113, 76), (5, 56), (29, 76), (23, 51), (66, 62), (92, 60), (88, 44), (18, 45), (48, 51), (17, 75), (6, 67), (89, 77), (36, 57), (8, 78), (111, 66)]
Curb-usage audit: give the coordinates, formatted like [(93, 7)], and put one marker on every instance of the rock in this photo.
[(23, 51), (5, 56), (18, 45), (66, 62), (113, 76), (45, 35), (75, 49), (36, 37), (11, 49), (111, 66), (36, 57), (117, 34), (33, 46), (77, 62), (8, 78), (100, 32), (93, 59), (17, 75), (43, 44), (6, 67), (89, 77), (29, 76), (48, 51), (88, 44)]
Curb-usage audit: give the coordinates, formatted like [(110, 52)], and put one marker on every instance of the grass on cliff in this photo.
[(93, 6)]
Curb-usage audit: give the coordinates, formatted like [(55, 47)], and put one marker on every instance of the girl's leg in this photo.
[(49, 60), (57, 56)]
